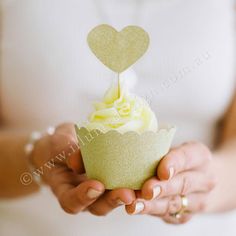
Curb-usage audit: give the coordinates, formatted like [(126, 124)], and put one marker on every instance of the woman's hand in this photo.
[(58, 160), (184, 171)]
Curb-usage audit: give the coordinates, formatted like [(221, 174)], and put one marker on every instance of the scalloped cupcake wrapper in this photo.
[(123, 160)]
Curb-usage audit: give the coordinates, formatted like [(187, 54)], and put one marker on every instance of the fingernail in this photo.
[(156, 191), (171, 173), (92, 193), (119, 202), (139, 206)]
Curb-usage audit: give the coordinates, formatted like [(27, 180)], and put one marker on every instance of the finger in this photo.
[(64, 135), (186, 157), (181, 184), (65, 148), (75, 199), (54, 149), (74, 157), (61, 175), (75, 162), (66, 128), (197, 204), (111, 200), (167, 206), (176, 221), (141, 206)]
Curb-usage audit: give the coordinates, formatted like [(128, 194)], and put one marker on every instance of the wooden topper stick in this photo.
[(118, 84)]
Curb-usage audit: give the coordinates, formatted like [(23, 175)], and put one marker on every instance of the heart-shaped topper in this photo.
[(118, 50)]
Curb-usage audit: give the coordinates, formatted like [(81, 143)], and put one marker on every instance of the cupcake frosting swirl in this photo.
[(122, 111)]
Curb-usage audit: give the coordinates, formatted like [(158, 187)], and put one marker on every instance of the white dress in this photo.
[(49, 75)]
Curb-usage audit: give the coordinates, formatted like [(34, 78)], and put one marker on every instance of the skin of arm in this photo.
[(222, 198), (13, 163)]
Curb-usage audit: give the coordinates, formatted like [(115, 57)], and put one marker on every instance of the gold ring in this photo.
[(184, 205)]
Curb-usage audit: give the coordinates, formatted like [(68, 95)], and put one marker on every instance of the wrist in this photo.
[(34, 150)]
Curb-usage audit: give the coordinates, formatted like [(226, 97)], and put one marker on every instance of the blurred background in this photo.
[(49, 75)]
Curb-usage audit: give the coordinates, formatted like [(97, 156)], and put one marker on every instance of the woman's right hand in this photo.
[(58, 160)]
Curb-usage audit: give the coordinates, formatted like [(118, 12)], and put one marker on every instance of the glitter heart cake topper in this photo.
[(118, 50)]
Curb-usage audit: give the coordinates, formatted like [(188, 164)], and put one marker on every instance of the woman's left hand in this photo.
[(184, 174)]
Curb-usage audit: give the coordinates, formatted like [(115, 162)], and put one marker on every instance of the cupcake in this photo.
[(121, 143)]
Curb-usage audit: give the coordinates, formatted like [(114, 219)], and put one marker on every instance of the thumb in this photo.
[(65, 140), (75, 162)]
